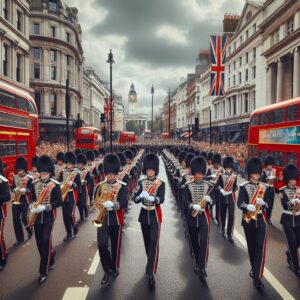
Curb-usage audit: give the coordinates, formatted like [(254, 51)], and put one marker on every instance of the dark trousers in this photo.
[(217, 199), (68, 209), (151, 241), (91, 192), (230, 206), (256, 243), (20, 212), (109, 260), (3, 252), (82, 205), (292, 235), (43, 237), (199, 237), (271, 192)]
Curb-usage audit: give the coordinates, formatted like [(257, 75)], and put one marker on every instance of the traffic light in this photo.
[(102, 118), (197, 124)]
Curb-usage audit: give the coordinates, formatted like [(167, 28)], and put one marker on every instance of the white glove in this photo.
[(108, 204), (295, 201), (38, 210), (260, 202), (70, 182), (228, 193), (143, 194), (223, 192), (213, 176), (83, 181), (196, 207), (16, 189), (150, 198), (23, 190), (251, 207), (207, 199)]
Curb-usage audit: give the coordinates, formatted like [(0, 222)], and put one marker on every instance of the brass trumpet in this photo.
[(16, 200), (248, 216), (202, 204)]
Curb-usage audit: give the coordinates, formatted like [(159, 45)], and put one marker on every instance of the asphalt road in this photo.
[(77, 273)]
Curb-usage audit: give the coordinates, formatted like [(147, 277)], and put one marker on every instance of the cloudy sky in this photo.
[(153, 41)]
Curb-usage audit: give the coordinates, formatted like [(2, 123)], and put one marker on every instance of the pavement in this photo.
[(77, 272)]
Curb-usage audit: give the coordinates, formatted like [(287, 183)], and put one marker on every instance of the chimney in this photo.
[(230, 22)]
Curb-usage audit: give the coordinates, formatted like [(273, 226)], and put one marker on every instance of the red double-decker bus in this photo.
[(127, 137), (88, 138), (275, 130), (19, 127)]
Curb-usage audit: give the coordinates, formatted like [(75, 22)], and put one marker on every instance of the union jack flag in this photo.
[(218, 47), (107, 108)]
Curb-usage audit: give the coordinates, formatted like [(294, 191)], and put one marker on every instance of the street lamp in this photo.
[(169, 113), (152, 92), (110, 60)]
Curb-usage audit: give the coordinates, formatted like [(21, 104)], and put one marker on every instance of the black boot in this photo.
[(30, 233), (52, 260), (288, 258), (105, 278), (18, 243), (251, 274), (68, 237), (75, 230), (258, 284), (116, 273), (3, 264), (196, 269), (151, 280), (230, 239), (42, 278)]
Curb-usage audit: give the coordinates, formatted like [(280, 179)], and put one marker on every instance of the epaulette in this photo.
[(34, 182), (55, 181), (3, 178), (244, 183), (123, 183), (31, 177)]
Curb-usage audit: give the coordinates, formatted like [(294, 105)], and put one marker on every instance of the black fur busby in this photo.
[(151, 161), (210, 156), (186, 149), (45, 164), (81, 158), (181, 156), (90, 155), (134, 150), (254, 166), (60, 156), (70, 158), (129, 154), (290, 172), (122, 158), (197, 153), (198, 164), (188, 158), (204, 154), (34, 161), (111, 164), (77, 151), (192, 150), (21, 164), (269, 160), (102, 151), (96, 153), (216, 159), (1, 167), (176, 152), (228, 162)]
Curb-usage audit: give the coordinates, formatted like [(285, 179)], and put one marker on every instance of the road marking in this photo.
[(280, 289), (94, 264), (75, 293)]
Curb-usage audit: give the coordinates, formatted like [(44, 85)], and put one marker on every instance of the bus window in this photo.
[(263, 120), (277, 116), (254, 120), (22, 104), (22, 148), (7, 99), (7, 148), (31, 108), (292, 158), (292, 113)]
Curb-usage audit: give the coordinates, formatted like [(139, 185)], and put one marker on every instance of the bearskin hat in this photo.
[(210, 156), (111, 164), (192, 150), (186, 149), (60, 156), (45, 164), (90, 155), (1, 167), (254, 166), (81, 159), (102, 151), (133, 149), (198, 164), (228, 162), (122, 158), (181, 156), (77, 151), (21, 164), (70, 158), (151, 161), (216, 159), (269, 160), (96, 153), (129, 154), (34, 161), (188, 158), (204, 154), (176, 152), (290, 172), (197, 153)]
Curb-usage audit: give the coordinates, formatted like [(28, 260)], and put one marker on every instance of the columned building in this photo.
[(181, 116), (56, 55)]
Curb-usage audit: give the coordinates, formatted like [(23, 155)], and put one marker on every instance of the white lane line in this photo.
[(280, 289), (94, 265), (76, 293)]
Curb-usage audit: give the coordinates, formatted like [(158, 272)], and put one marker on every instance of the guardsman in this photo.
[(71, 185), (83, 203), (228, 186), (60, 165), (21, 187), (110, 198), (290, 218), (34, 172), (45, 198), (269, 177), (253, 201), (180, 167), (90, 156), (130, 170), (4, 198), (151, 192), (102, 153), (196, 197)]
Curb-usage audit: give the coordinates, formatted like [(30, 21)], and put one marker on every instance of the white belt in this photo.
[(149, 207), (289, 212), (110, 209)]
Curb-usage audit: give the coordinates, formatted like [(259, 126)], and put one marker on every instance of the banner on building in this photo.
[(285, 135), (218, 47)]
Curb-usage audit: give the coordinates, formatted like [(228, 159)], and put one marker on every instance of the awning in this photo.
[(186, 134)]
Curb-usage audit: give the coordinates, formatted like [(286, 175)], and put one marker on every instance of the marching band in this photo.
[(205, 187)]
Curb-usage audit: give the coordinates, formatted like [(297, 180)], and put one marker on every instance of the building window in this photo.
[(246, 103), (233, 80), (254, 53), (19, 20), (234, 46), (36, 53), (53, 31), (246, 75), (53, 104), (253, 100), (229, 69), (36, 28), (234, 107), (290, 26), (234, 65), (229, 82), (254, 72), (68, 60), (5, 9), (37, 98), (53, 72), (68, 37), (241, 40), (5, 52), (18, 67), (247, 57), (229, 50), (240, 77), (247, 34), (276, 36), (53, 55), (254, 28), (53, 5), (240, 61), (37, 71), (198, 100)]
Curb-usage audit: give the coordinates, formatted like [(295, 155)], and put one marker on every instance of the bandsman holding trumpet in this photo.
[(290, 218), (90, 156), (110, 198), (4, 198), (253, 201), (60, 165), (21, 187), (150, 191), (45, 198), (196, 198)]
